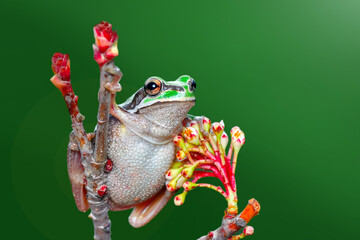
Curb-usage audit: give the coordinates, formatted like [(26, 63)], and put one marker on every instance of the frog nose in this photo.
[(192, 85)]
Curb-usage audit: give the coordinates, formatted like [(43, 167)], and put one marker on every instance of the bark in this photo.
[(232, 224), (96, 176), (98, 201)]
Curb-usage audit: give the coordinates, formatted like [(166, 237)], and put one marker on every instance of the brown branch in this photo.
[(97, 190), (61, 80), (231, 224), (105, 49), (98, 198)]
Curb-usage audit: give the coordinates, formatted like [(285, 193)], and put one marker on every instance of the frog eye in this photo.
[(152, 86), (192, 85)]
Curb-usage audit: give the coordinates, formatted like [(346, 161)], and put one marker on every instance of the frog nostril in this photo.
[(192, 85)]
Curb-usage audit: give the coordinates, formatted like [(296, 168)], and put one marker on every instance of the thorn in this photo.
[(73, 146), (80, 117), (90, 136)]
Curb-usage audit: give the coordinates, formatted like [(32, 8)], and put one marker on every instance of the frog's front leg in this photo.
[(113, 87)]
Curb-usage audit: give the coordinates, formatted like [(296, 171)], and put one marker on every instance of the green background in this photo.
[(287, 72)]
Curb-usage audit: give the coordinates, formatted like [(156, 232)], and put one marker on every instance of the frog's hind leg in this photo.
[(146, 211), (76, 174)]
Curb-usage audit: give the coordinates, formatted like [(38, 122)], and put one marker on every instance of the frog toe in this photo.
[(77, 176)]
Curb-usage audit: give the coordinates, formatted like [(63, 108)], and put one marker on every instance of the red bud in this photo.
[(102, 190)]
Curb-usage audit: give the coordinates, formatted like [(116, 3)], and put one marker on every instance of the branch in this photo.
[(231, 224), (97, 197), (105, 49), (61, 80), (99, 206)]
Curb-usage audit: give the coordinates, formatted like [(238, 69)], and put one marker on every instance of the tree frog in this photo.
[(140, 149)]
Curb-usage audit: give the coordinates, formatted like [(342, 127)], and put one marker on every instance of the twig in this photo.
[(105, 49), (99, 202), (61, 80), (231, 224)]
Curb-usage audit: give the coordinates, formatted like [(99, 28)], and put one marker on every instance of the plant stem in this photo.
[(232, 201), (230, 151), (216, 188), (77, 118), (212, 168), (231, 224), (99, 204), (201, 174), (236, 152)]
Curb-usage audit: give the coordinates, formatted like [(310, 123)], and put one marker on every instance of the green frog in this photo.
[(140, 148)]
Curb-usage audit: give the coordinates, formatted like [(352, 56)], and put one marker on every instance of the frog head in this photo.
[(155, 112)]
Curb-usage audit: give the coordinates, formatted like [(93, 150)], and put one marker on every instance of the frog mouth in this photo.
[(132, 108)]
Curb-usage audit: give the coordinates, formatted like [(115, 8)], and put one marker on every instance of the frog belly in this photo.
[(139, 166)]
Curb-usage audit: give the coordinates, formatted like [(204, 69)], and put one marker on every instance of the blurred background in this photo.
[(286, 72)]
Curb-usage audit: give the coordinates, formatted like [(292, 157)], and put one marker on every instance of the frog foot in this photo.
[(113, 87), (146, 211), (114, 71), (76, 174)]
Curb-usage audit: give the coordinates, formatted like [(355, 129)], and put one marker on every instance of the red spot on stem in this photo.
[(108, 166), (102, 190), (84, 181)]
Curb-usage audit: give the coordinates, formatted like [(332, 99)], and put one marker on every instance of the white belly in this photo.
[(138, 166)]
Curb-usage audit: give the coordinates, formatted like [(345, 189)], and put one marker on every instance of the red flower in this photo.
[(191, 135), (61, 66), (105, 37), (105, 47), (218, 127)]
